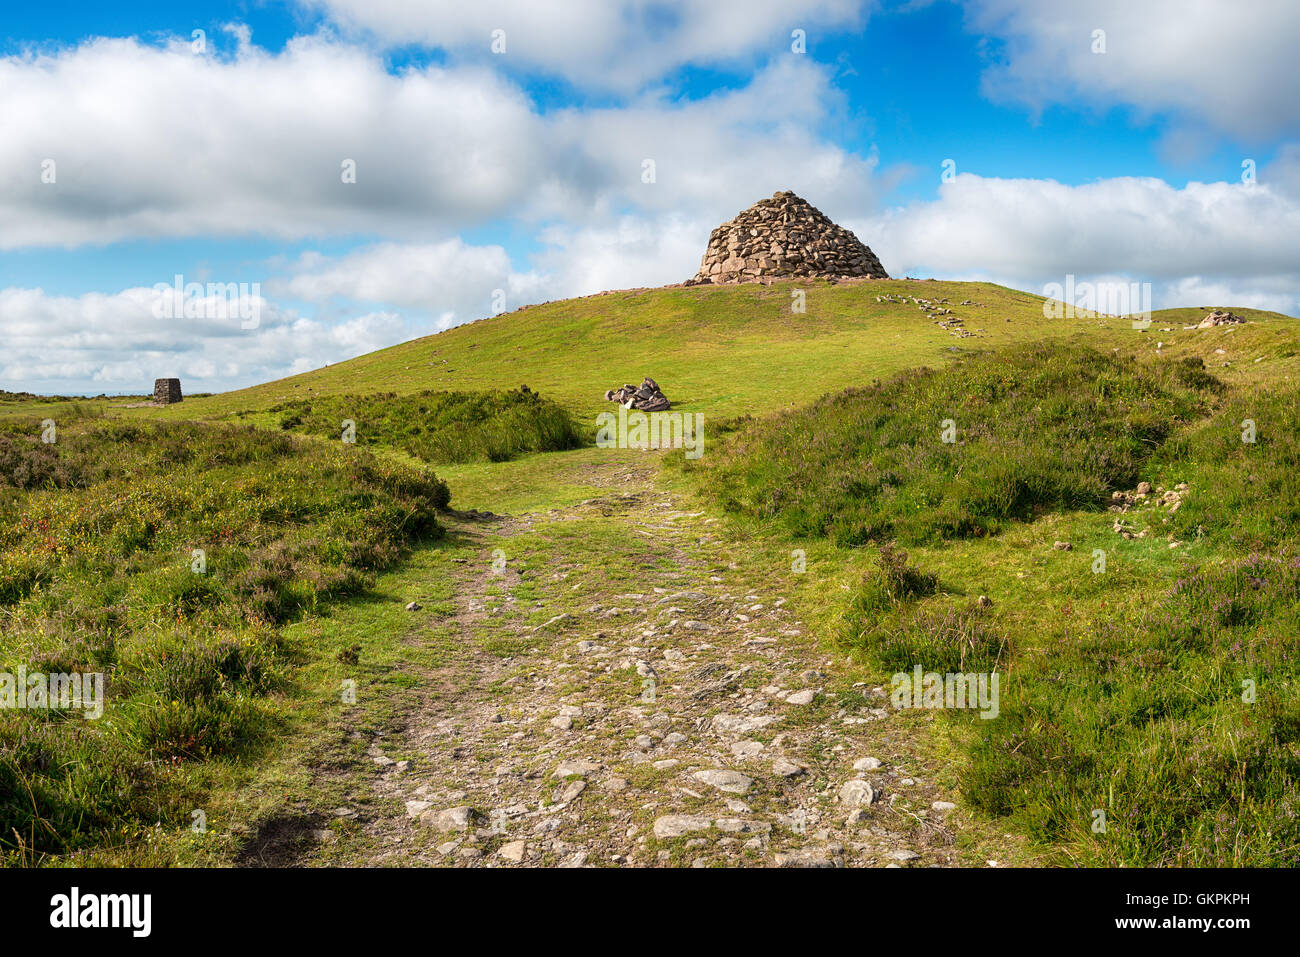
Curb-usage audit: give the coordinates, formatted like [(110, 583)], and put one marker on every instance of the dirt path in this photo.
[(627, 691)]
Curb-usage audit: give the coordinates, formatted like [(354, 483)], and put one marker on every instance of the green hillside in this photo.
[(336, 563), (1146, 658), (724, 350)]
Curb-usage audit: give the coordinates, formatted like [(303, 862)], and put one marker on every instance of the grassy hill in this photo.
[(727, 350), (822, 425)]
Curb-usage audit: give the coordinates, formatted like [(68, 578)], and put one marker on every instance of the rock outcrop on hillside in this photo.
[(784, 237)]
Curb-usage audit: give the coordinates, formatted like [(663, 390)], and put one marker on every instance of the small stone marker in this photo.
[(166, 391)]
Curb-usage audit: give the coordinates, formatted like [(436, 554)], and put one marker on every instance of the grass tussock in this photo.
[(440, 427), (889, 624), (166, 558), (1179, 722)]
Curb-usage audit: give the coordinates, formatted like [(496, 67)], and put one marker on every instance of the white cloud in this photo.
[(632, 253), (151, 141), (449, 277), (158, 142), (717, 155), (605, 44), (456, 282), (1228, 66), (116, 343), (1235, 241), (1279, 294)]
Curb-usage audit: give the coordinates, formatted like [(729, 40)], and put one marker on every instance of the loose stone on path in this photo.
[(733, 782)]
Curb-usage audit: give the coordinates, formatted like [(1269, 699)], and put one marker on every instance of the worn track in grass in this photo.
[(630, 688)]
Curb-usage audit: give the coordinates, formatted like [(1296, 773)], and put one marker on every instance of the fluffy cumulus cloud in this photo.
[(150, 141), (717, 155), (1229, 67), (634, 252), (1205, 242), (162, 142), (121, 342), (616, 45), (454, 281), (457, 282)]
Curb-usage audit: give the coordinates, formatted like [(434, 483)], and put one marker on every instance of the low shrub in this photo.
[(440, 427), (1033, 429), (165, 557)]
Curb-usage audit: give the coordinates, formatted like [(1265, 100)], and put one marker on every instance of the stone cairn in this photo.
[(784, 237), (1219, 317), (166, 391), (647, 397)]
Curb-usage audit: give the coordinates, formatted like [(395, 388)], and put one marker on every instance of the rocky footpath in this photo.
[(673, 712)]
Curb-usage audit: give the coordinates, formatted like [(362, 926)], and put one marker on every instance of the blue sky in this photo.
[(518, 171)]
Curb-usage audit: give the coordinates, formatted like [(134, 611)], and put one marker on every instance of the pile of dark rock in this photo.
[(647, 397)]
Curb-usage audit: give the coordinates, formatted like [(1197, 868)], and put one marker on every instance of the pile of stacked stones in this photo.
[(784, 237), (1147, 495), (1220, 318), (647, 397)]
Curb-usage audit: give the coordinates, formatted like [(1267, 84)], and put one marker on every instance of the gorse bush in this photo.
[(440, 426), (1036, 428), (97, 575)]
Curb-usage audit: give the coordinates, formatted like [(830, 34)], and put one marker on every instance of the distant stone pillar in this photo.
[(166, 391)]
